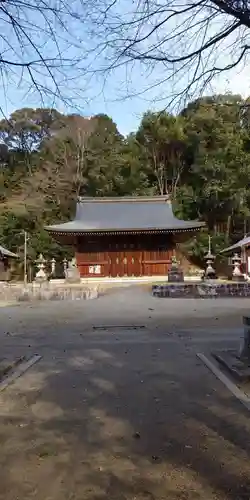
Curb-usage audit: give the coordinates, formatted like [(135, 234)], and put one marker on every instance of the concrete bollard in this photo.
[(244, 352)]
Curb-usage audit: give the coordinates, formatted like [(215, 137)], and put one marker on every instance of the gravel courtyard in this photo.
[(122, 413)]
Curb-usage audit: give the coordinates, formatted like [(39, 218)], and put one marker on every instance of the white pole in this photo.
[(209, 245), (25, 258)]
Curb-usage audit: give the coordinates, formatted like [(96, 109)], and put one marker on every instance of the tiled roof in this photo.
[(6, 253), (241, 243), (124, 214)]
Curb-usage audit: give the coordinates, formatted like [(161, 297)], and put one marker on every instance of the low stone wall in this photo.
[(10, 292), (202, 290)]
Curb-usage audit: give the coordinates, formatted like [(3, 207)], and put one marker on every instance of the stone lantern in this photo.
[(175, 274), (237, 274), (41, 273), (210, 258)]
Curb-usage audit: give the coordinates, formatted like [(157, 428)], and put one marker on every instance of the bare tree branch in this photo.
[(42, 46), (186, 43), (237, 9)]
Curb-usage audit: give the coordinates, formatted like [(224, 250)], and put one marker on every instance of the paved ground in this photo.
[(122, 414)]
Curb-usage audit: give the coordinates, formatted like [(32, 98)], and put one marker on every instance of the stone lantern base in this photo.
[(239, 278)]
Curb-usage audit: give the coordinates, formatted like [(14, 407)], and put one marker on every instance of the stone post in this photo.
[(65, 265), (53, 266), (244, 352)]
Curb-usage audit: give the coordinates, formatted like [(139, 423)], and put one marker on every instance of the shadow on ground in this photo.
[(122, 417), (107, 426)]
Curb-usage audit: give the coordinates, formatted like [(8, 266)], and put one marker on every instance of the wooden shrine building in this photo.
[(132, 236), (5, 258)]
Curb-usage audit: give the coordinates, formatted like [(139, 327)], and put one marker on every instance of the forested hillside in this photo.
[(200, 157)]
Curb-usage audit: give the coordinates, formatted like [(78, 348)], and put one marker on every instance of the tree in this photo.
[(215, 186), (61, 174), (181, 47), (27, 128), (103, 159), (134, 170), (163, 139), (24, 133), (24, 136)]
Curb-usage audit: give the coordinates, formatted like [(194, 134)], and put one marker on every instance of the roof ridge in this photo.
[(129, 199)]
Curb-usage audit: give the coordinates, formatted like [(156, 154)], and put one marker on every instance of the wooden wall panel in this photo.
[(156, 263), (118, 256), (92, 257), (246, 266)]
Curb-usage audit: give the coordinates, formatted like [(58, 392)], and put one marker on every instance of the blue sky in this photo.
[(125, 112)]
